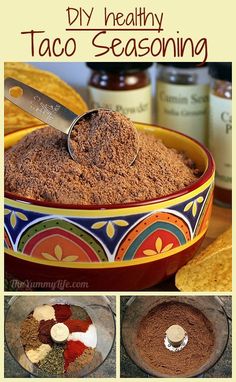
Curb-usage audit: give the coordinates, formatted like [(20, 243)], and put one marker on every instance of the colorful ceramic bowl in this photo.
[(109, 247)]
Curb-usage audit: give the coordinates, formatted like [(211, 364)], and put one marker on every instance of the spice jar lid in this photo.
[(183, 65), (221, 70), (119, 66)]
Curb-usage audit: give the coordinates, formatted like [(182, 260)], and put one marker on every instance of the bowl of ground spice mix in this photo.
[(121, 225), (60, 336), (175, 336)]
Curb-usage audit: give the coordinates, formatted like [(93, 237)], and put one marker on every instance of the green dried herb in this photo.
[(53, 363)]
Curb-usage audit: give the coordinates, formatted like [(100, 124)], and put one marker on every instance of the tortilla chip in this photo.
[(210, 270), (47, 83)]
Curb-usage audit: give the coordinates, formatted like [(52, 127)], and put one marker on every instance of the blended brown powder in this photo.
[(39, 167), (104, 138), (151, 332)]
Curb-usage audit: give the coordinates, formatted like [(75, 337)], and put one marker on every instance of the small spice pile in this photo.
[(62, 312), (44, 312), (54, 358), (78, 325), (103, 139), (89, 338), (44, 331), (79, 313), (29, 331), (40, 167), (80, 362), (151, 332), (74, 349), (37, 355), (53, 363)]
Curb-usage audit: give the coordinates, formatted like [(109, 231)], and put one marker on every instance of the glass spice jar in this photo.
[(220, 129), (182, 98), (122, 87)]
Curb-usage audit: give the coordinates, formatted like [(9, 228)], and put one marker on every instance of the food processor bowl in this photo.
[(138, 307), (98, 308)]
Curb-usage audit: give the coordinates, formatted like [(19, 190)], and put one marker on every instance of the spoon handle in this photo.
[(39, 105)]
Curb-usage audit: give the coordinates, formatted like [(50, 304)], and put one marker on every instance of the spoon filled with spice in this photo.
[(100, 137)]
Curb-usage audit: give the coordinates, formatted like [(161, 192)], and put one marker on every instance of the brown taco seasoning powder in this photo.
[(101, 140), (151, 332), (39, 167), (29, 332)]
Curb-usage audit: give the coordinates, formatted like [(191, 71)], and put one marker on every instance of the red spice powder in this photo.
[(74, 349), (62, 312), (78, 325)]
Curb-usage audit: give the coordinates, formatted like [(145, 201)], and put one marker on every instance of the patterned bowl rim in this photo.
[(108, 264), (210, 168)]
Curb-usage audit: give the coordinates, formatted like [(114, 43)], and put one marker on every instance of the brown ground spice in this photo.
[(80, 362), (39, 167), (78, 313), (29, 331), (101, 140), (44, 331), (150, 339)]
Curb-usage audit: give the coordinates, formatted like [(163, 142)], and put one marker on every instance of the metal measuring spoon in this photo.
[(58, 116)]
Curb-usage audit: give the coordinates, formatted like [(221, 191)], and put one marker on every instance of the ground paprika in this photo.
[(74, 349), (78, 325), (62, 312)]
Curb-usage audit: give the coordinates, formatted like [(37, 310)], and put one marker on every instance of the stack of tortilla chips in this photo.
[(211, 269)]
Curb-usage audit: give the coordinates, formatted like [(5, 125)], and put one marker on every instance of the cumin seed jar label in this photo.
[(183, 108), (220, 141), (135, 104)]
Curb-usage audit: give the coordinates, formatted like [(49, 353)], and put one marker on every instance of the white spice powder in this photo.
[(88, 338)]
